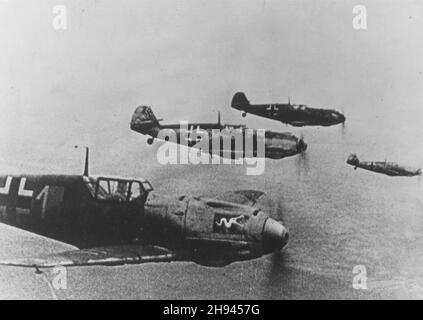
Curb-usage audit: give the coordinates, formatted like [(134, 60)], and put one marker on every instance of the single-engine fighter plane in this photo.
[(388, 168), (277, 145), (293, 114), (115, 221)]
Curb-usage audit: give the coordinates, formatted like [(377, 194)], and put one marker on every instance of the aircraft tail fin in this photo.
[(144, 119), (353, 160), (240, 101)]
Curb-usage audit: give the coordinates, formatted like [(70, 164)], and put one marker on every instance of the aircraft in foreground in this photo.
[(293, 114), (115, 221), (277, 145), (388, 168)]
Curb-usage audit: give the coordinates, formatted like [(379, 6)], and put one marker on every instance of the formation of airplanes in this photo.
[(116, 220)]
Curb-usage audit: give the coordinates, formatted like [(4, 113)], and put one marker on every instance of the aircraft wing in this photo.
[(245, 197), (104, 256)]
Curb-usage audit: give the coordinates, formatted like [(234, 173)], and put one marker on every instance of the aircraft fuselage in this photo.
[(295, 115), (388, 168), (95, 212), (276, 145)]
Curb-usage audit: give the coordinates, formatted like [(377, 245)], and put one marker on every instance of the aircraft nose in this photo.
[(301, 146), (275, 235)]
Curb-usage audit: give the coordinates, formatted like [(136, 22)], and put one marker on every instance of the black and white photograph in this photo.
[(231, 150)]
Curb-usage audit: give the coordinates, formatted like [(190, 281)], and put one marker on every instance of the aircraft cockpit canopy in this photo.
[(117, 189), (299, 106), (147, 186)]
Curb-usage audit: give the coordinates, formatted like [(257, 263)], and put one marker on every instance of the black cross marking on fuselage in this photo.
[(273, 109), (14, 199)]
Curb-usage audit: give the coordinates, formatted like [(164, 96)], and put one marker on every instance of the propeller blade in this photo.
[(277, 274), (302, 160), (343, 129), (276, 270)]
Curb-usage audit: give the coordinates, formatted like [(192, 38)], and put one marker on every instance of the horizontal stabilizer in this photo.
[(105, 256)]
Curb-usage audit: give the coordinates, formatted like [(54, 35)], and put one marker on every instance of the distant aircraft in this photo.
[(388, 168), (277, 145), (295, 115), (114, 221)]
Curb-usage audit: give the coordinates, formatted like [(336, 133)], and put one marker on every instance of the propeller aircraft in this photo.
[(384, 167), (293, 114), (276, 145), (114, 221)]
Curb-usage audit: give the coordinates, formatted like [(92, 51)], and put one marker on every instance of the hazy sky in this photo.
[(59, 88)]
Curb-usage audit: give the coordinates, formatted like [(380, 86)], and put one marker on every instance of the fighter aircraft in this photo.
[(293, 114), (277, 145), (388, 168), (114, 221)]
